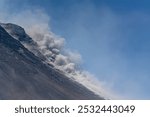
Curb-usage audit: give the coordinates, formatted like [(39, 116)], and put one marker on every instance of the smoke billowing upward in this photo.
[(36, 24)]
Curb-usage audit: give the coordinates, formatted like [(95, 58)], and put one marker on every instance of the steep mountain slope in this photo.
[(25, 75)]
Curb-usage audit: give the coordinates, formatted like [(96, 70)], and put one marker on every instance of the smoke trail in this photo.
[(53, 48)]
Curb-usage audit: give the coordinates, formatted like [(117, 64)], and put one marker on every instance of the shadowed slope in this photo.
[(25, 76)]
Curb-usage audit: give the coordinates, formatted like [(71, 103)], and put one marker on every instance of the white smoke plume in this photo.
[(36, 24)]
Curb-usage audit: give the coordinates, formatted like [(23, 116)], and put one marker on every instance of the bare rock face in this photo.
[(24, 75)]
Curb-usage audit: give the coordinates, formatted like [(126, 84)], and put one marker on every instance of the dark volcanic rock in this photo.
[(24, 75)]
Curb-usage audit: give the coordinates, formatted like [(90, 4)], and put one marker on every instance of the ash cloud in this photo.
[(36, 24)]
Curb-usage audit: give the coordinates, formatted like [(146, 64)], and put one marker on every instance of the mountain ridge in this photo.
[(24, 75)]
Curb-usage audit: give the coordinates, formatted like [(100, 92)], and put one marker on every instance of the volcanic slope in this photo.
[(25, 75)]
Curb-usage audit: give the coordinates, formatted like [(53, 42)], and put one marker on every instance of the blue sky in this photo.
[(111, 35)]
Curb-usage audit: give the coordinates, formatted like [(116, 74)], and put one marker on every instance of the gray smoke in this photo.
[(53, 48)]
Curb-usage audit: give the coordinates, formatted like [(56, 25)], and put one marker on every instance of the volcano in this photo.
[(24, 74)]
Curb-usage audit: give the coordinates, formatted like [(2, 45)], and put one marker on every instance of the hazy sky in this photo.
[(111, 35)]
